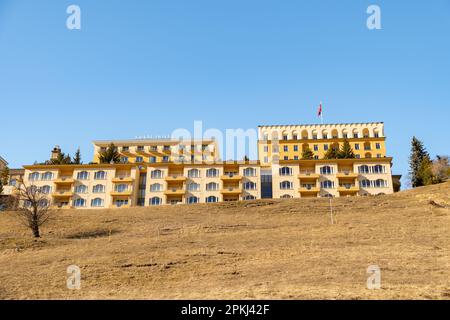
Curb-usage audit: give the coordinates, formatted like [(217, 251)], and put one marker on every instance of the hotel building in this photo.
[(159, 172)]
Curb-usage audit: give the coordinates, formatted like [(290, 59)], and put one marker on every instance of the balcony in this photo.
[(309, 189), (126, 193), (175, 192), (175, 178), (348, 188), (122, 179), (308, 175), (347, 174), (231, 191), (231, 177), (64, 180), (62, 194)]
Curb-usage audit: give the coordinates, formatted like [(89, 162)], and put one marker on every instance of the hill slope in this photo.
[(267, 249)]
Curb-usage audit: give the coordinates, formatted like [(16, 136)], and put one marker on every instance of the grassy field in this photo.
[(267, 249)]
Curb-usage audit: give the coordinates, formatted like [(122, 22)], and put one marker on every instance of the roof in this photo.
[(3, 161), (148, 141), (319, 124)]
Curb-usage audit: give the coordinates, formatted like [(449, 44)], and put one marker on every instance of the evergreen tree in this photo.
[(4, 177), (77, 157), (346, 152), (307, 154), (61, 159), (332, 153), (111, 154), (418, 161)]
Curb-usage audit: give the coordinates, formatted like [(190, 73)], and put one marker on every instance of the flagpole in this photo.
[(321, 112)]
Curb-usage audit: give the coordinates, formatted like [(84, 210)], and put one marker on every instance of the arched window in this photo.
[(43, 203), (378, 169), (355, 133), (79, 202), (305, 135), (334, 134), (285, 171), (193, 187), (327, 184), (212, 186), (380, 183), (97, 202), (80, 188), (327, 195), (47, 176), (368, 155), (249, 172), (155, 201), (100, 175), (156, 174), (365, 183), (192, 200), (46, 189), (99, 188), (366, 133), (211, 199), (211, 173), (34, 176), (326, 170), (364, 169), (83, 175), (286, 196), (194, 173), (249, 185), (345, 134), (286, 185), (249, 197), (121, 187), (156, 187)]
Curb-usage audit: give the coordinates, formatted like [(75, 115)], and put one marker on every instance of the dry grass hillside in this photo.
[(268, 249)]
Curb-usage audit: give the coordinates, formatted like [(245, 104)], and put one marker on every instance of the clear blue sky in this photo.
[(154, 66)]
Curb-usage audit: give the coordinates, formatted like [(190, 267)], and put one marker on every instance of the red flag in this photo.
[(319, 112)]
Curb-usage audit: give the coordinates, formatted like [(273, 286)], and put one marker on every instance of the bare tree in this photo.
[(33, 207)]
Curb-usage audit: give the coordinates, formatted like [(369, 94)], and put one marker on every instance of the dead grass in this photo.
[(267, 249)]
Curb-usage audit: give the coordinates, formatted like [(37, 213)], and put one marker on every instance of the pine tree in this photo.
[(418, 163), (307, 154), (110, 155), (346, 152), (332, 153), (77, 157)]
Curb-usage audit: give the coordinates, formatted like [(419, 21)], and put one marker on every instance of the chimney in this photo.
[(56, 152)]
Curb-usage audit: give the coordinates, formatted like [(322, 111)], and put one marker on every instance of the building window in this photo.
[(46, 189), (380, 183), (79, 203), (121, 202), (295, 148), (121, 188), (266, 148), (249, 172), (378, 145), (316, 147), (327, 184), (194, 173), (99, 188), (286, 196), (376, 135), (212, 173), (192, 200), (266, 159), (124, 159), (165, 159), (365, 183), (156, 174), (193, 187), (155, 201), (325, 147), (378, 169), (316, 157), (140, 148), (152, 159), (13, 182), (47, 176), (83, 175), (249, 197), (154, 148), (97, 202), (166, 148), (357, 156), (156, 187), (286, 185), (139, 159), (285, 137), (285, 171), (212, 199), (249, 185), (295, 157), (212, 186), (355, 135), (356, 146), (286, 158), (345, 135), (325, 136), (34, 176), (285, 148), (314, 136), (100, 175), (364, 169), (326, 170), (81, 189)]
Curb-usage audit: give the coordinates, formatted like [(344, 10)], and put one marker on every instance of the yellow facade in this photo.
[(158, 172)]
